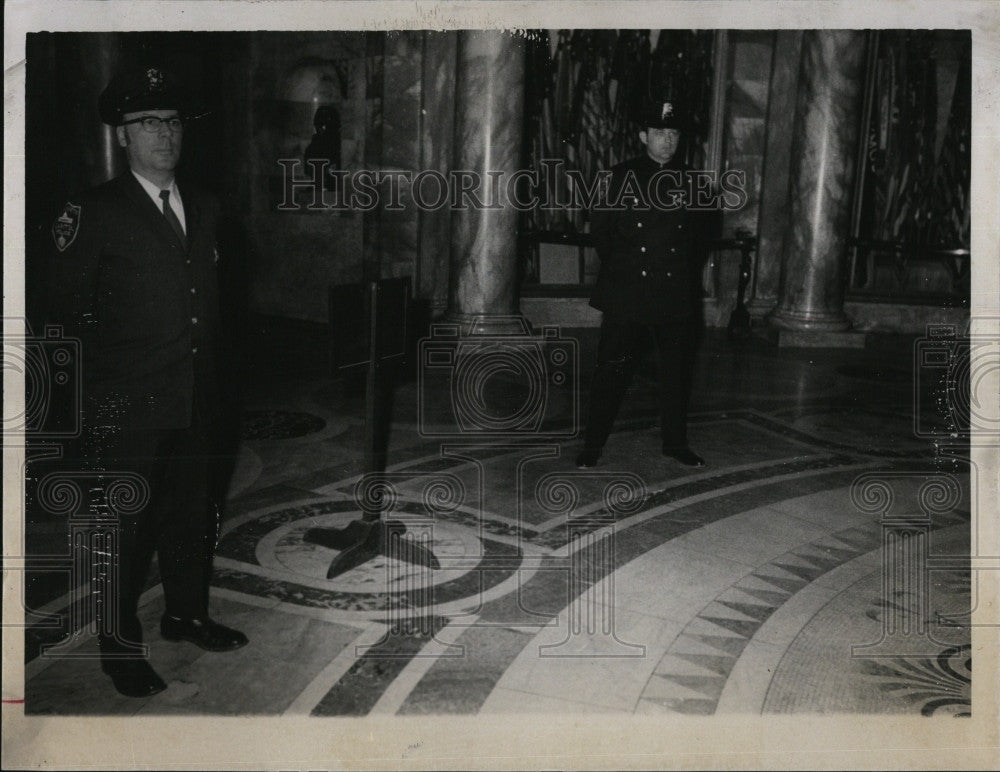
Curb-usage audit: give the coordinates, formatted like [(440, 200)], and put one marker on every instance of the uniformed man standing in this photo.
[(645, 238), (133, 275)]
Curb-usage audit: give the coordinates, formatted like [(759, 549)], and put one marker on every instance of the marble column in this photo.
[(773, 220), (489, 112), (824, 147)]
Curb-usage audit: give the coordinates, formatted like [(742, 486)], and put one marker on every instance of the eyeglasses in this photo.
[(152, 124)]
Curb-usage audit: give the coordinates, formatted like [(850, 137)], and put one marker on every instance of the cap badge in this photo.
[(667, 111), (155, 79)]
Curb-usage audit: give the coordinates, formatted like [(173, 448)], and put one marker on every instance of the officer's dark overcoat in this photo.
[(144, 305), (649, 261)]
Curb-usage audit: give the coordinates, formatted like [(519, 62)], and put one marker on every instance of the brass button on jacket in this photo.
[(648, 258)]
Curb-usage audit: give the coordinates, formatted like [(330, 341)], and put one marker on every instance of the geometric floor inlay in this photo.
[(937, 685), (691, 676)]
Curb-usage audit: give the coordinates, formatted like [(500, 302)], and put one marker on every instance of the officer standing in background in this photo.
[(133, 274), (646, 287)]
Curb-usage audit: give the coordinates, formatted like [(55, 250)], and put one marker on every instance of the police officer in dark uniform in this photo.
[(646, 241), (133, 274)]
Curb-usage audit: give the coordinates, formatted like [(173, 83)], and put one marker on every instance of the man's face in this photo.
[(151, 154), (661, 144)]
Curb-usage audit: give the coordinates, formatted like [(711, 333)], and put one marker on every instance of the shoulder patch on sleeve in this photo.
[(66, 226)]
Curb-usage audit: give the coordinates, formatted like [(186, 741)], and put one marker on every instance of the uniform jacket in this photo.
[(649, 260), (144, 306)]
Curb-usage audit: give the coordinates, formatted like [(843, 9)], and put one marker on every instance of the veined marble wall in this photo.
[(746, 119), (774, 194), (437, 131), (294, 256), (400, 140), (746, 88), (394, 94)]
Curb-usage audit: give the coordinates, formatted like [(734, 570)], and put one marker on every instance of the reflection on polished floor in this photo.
[(752, 585)]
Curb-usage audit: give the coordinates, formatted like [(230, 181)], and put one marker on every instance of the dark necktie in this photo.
[(168, 212)]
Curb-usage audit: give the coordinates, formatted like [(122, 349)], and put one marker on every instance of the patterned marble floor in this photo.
[(774, 580)]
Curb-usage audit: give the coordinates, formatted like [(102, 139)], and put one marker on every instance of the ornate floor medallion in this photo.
[(269, 556)]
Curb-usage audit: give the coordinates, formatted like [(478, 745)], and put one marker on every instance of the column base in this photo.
[(812, 330), (808, 321), (815, 338), (489, 324), (759, 308), (439, 307)]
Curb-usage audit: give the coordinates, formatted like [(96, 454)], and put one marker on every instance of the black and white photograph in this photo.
[(501, 385)]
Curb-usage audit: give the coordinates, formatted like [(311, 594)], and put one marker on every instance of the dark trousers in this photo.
[(178, 522), (618, 352)]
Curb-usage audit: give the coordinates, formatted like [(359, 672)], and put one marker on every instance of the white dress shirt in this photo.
[(175, 197)]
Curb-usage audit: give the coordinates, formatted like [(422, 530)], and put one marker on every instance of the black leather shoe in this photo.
[(588, 458), (685, 456), (133, 677), (203, 632)]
